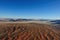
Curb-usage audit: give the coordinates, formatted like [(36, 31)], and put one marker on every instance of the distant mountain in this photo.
[(4, 19), (20, 19), (24, 19), (55, 21), (14, 20)]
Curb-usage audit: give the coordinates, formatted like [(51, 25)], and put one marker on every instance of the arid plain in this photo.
[(28, 31)]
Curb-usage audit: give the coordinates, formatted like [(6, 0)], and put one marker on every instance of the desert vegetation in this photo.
[(28, 31)]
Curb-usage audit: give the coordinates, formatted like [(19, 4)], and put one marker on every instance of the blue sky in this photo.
[(45, 9)]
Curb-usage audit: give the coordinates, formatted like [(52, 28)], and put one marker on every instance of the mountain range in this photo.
[(20, 19)]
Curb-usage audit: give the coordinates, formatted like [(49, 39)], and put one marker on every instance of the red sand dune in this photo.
[(28, 31)]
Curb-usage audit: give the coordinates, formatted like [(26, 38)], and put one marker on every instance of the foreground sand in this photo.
[(28, 31)]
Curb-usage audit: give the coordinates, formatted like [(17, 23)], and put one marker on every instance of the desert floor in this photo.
[(28, 31)]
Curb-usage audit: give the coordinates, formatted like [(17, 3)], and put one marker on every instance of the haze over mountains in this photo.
[(13, 20), (21, 19)]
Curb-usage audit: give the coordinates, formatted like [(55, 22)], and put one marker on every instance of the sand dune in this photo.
[(28, 31)]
